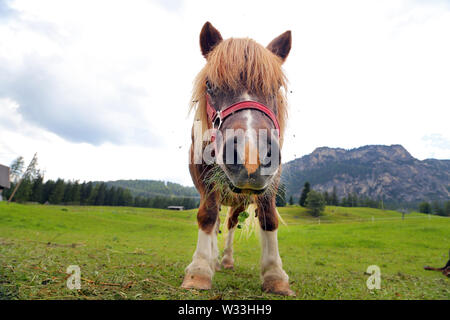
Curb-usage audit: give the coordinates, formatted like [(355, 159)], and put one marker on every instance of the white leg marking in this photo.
[(202, 262), (271, 265), (227, 260)]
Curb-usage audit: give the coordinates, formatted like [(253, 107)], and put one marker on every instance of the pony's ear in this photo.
[(209, 38), (281, 45)]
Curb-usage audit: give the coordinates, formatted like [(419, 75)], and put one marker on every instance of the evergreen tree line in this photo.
[(332, 199), (351, 200), (435, 207), (34, 189)]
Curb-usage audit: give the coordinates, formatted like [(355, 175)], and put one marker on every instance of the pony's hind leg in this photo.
[(200, 271), (232, 221), (275, 280)]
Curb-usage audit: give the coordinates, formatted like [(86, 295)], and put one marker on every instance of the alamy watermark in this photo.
[(74, 280), (374, 281)]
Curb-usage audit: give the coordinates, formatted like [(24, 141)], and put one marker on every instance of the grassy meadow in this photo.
[(132, 253)]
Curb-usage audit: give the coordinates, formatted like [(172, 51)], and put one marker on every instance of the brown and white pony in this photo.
[(240, 89)]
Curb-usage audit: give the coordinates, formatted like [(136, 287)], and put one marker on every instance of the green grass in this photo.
[(131, 253)]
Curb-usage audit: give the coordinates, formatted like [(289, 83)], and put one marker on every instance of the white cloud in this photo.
[(100, 88)]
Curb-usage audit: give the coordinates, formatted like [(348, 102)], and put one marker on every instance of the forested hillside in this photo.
[(152, 188)]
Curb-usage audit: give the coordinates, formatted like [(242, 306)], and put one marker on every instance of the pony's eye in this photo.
[(209, 88)]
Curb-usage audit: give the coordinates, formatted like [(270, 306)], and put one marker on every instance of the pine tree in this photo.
[(109, 196), (48, 189), (304, 195), (92, 195), (326, 198), (57, 194), (347, 201), (120, 197), (425, 207), (68, 193), (291, 200), (25, 191), (334, 198), (315, 203), (76, 192), (113, 196), (101, 194), (37, 189), (85, 192), (437, 209), (16, 169), (447, 208), (354, 200), (128, 198)]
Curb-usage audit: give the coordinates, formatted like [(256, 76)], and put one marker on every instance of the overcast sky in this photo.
[(100, 89)]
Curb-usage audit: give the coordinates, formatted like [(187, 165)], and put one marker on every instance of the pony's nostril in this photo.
[(267, 161), (236, 158), (267, 156)]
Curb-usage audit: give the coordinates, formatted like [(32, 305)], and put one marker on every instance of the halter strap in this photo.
[(217, 117)]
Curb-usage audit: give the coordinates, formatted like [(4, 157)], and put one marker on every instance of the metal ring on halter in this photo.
[(217, 125)]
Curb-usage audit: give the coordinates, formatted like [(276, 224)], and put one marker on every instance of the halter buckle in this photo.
[(217, 123)]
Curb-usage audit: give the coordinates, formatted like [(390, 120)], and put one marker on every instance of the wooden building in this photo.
[(4, 179), (179, 208)]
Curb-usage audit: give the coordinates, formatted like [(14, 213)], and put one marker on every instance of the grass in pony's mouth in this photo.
[(217, 180)]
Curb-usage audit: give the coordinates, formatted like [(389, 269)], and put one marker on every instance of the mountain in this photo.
[(154, 188), (376, 171)]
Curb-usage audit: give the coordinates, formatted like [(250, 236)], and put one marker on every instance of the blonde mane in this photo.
[(235, 64)]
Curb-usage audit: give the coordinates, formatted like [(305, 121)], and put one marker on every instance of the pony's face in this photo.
[(237, 70), (248, 150)]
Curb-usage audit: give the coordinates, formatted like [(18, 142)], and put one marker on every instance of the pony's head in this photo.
[(240, 94)]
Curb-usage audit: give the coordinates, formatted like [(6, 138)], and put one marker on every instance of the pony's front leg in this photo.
[(200, 271), (274, 278)]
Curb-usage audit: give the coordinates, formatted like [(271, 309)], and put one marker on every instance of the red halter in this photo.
[(218, 117)]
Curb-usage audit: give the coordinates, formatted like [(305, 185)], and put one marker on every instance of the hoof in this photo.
[(278, 287), (228, 264), (196, 282)]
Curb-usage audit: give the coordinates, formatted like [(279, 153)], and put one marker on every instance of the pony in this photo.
[(241, 90)]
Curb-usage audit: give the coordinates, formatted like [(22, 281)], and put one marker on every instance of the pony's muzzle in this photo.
[(248, 167)]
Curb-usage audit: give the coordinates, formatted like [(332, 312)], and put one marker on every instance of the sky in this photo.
[(100, 89)]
